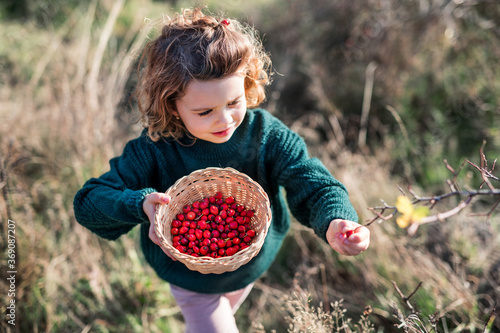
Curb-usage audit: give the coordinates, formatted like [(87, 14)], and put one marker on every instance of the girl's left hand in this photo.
[(348, 237)]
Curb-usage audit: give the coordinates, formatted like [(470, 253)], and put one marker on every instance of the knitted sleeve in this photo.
[(314, 196), (111, 205)]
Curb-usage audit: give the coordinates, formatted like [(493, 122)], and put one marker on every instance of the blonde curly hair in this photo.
[(195, 46)]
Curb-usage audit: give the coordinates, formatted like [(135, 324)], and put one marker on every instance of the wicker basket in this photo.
[(204, 183)]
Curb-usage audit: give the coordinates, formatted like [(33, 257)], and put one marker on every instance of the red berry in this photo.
[(214, 210), (218, 195), (196, 204), (191, 215), (186, 209), (206, 234), (174, 231), (204, 250), (183, 230), (233, 225), (176, 224), (214, 247), (349, 233), (221, 252), (247, 239), (231, 212), (236, 241), (229, 200), (180, 217), (202, 224), (230, 251), (198, 233), (250, 213), (221, 243), (204, 204), (251, 233)]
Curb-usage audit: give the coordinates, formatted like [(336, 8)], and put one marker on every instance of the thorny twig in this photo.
[(406, 299), (487, 176)]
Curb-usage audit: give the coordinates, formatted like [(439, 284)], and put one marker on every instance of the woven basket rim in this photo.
[(206, 177)]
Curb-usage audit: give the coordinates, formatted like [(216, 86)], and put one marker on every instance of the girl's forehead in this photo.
[(199, 93)]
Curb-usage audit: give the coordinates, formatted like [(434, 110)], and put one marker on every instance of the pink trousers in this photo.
[(209, 313)]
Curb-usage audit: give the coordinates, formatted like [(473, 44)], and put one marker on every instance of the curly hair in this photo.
[(195, 46)]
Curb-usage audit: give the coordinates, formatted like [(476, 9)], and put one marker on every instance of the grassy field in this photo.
[(66, 76)]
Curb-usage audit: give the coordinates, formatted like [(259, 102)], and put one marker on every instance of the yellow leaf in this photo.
[(403, 221), (404, 205), (420, 213)]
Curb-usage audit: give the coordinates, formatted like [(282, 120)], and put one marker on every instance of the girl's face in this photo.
[(212, 110)]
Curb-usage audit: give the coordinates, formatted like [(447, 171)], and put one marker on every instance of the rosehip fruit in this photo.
[(214, 247), (214, 210), (230, 251), (198, 233), (204, 250)]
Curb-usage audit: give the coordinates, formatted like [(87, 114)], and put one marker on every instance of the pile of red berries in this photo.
[(214, 227)]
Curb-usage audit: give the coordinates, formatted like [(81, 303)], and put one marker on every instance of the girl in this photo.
[(202, 77)]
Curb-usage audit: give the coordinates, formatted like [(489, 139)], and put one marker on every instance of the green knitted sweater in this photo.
[(262, 147)]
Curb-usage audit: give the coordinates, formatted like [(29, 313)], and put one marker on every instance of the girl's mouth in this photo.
[(222, 133)]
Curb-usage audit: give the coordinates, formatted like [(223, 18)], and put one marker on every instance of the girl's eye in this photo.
[(204, 113), (234, 103)]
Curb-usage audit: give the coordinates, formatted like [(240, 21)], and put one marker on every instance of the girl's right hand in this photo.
[(149, 206)]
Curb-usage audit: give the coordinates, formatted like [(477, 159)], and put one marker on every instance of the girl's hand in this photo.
[(348, 237), (149, 206)]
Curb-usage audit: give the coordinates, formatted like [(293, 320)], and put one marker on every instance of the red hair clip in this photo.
[(225, 22)]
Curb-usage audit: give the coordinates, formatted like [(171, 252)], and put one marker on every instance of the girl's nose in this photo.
[(226, 116)]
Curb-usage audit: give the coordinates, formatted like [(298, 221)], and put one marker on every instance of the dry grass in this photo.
[(62, 120)]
